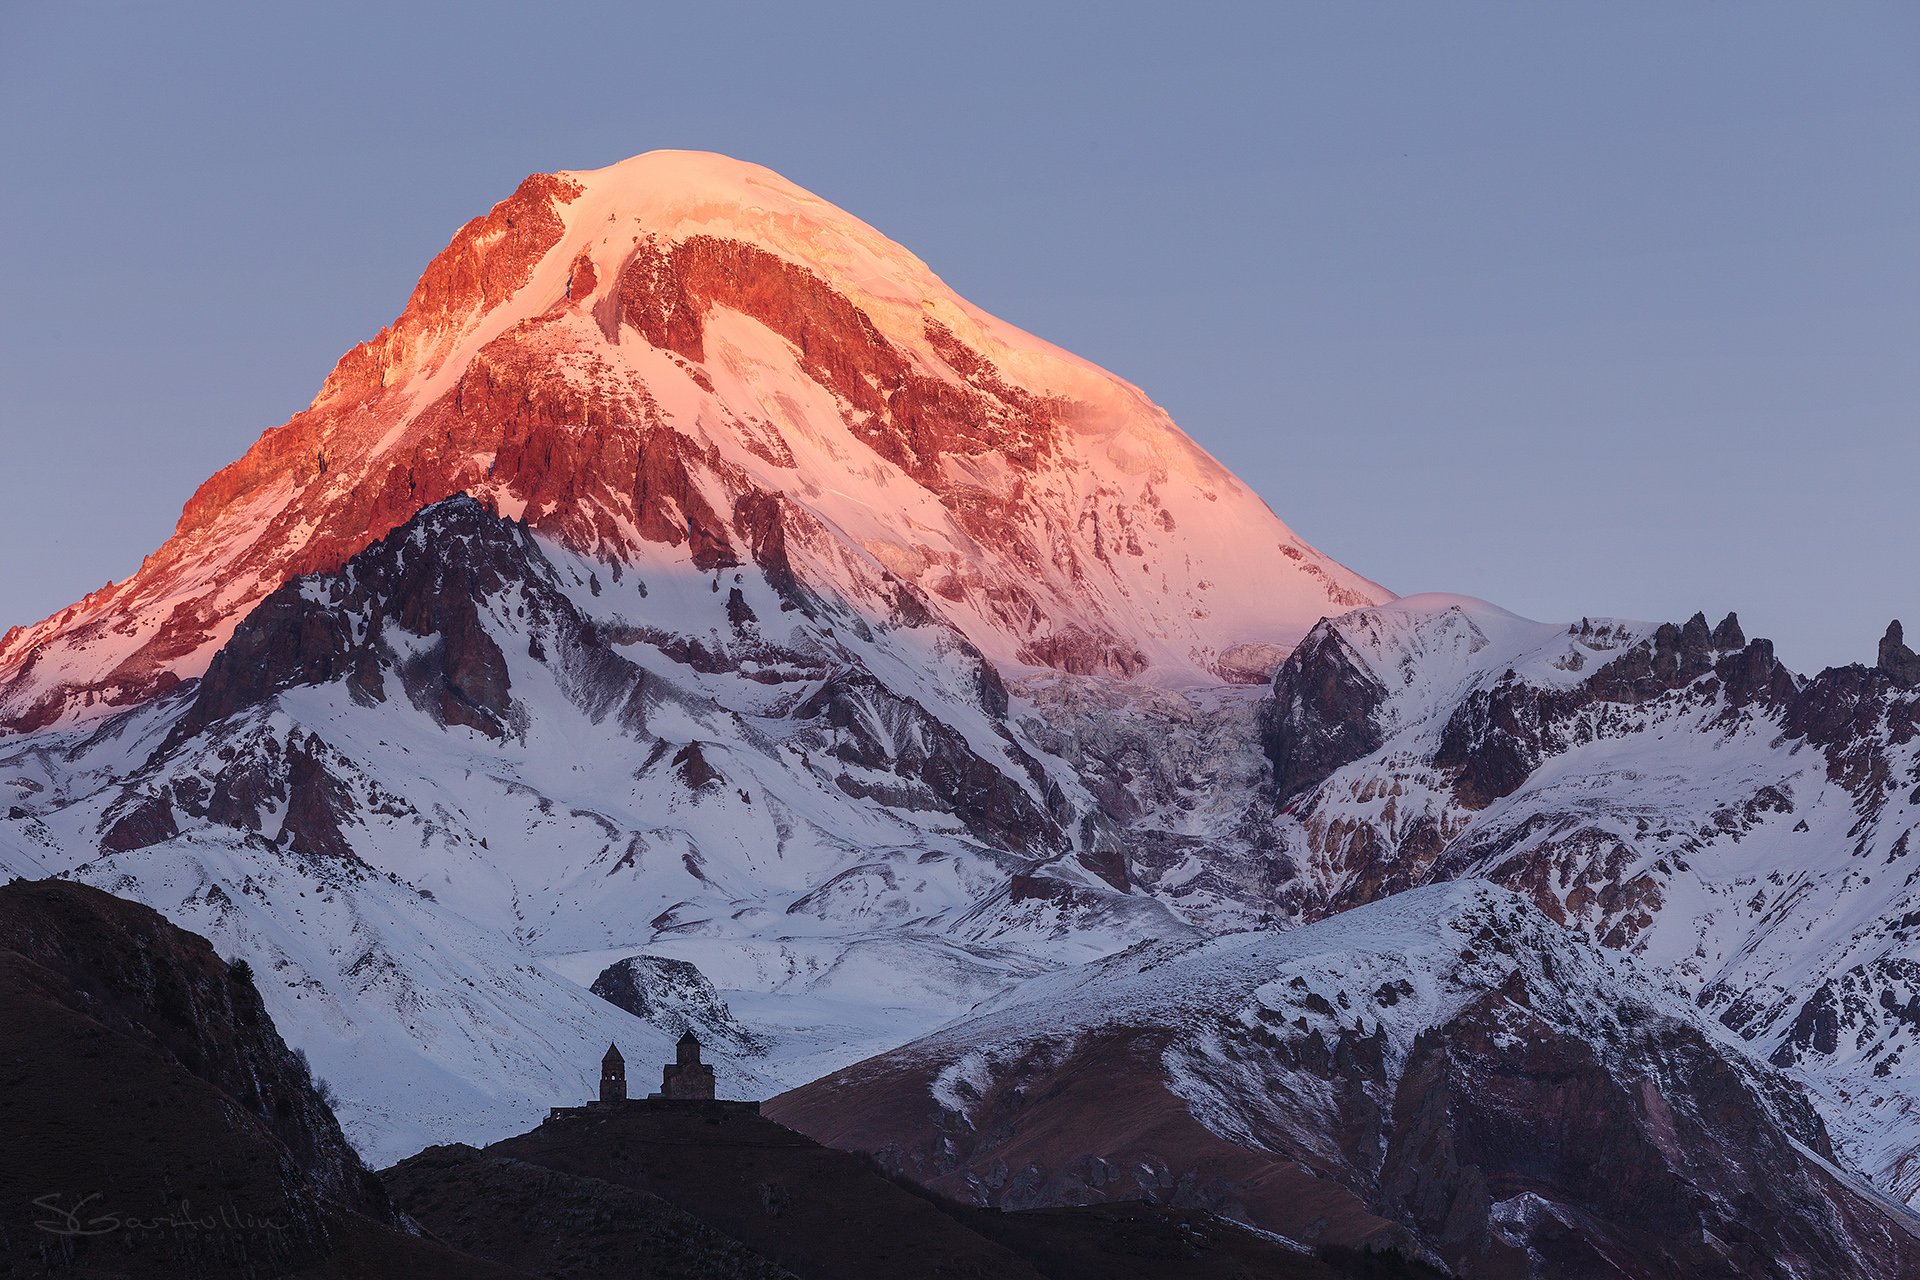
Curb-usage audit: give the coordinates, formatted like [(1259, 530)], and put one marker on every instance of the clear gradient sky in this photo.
[(1587, 308)]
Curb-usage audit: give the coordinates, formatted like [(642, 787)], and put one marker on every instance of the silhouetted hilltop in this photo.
[(596, 1192), (156, 1124)]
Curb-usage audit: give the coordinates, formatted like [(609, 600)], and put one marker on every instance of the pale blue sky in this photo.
[(1607, 308)]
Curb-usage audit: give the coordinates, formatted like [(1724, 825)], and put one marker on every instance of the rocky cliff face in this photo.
[(423, 616), (1322, 715)]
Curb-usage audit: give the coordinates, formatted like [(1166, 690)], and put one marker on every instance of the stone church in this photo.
[(685, 1079)]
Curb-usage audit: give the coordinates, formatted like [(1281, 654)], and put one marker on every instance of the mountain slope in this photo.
[(686, 360), (1673, 791), (561, 1227), (418, 790), (1447, 1070)]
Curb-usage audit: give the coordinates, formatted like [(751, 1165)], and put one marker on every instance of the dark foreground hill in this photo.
[(605, 1192), (154, 1123)]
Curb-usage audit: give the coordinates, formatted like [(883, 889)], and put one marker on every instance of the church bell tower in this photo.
[(613, 1076)]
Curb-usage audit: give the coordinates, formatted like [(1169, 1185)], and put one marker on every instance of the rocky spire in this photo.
[(1728, 635), (1899, 662)]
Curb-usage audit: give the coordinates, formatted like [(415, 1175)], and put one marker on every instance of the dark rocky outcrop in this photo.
[(1322, 713), (1900, 663), (695, 773), (417, 614), (1500, 1105), (1672, 657), (1874, 1003), (404, 616), (138, 821), (288, 641), (674, 996), (427, 579), (760, 518), (1857, 715), (1498, 736), (261, 772), (143, 1080)]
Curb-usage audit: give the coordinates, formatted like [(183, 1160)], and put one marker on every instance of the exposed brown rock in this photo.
[(906, 416), (486, 263), (317, 802), (1496, 737), (695, 773), (1080, 653), (1092, 1124), (760, 519), (424, 586), (146, 821)]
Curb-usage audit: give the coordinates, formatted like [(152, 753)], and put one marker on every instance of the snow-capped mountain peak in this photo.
[(673, 360)]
